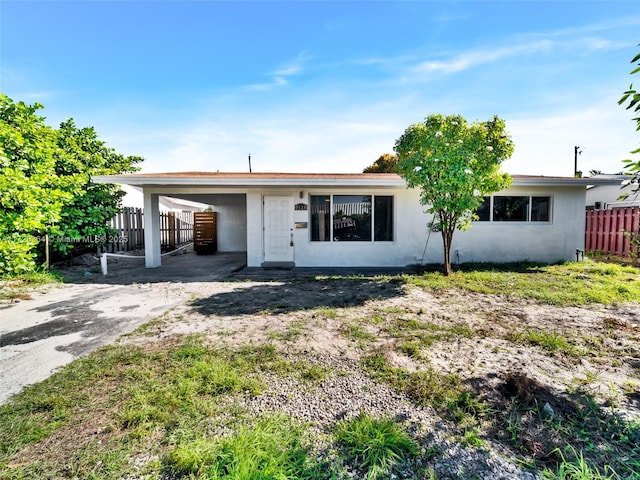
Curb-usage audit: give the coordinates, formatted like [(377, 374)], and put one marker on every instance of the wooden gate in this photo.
[(205, 233)]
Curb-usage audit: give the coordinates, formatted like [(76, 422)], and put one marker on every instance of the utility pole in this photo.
[(249, 163), (576, 152)]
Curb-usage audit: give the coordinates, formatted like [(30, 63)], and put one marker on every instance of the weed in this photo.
[(411, 349), (374, 445), (271, 448), (578, 469), (327, 312), (552, 342), (444, 392), (471, 438), (290, 334), (356, 332)]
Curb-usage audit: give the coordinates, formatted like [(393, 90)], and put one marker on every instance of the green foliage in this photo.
[(31, 195), (374, 445), (273, 448), (46, 188), (386, 163), (578, 469), (454, 164), (632, 100), (86, 216)]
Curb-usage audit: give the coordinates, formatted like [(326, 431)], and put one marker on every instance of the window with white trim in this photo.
[(515, 208), (351, 218)]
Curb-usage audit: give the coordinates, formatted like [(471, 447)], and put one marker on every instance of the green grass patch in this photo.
[(580, 468), (571, 283), (132, 395), (272, 448), (373, 445), (354, 331), (552, 342)]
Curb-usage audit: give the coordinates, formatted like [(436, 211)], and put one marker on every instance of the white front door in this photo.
[(278, 229)]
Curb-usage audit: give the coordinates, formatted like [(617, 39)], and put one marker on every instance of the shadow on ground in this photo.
[(547, 427), (292, 294)]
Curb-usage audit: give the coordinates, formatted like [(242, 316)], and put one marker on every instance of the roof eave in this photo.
[(248, 182), (563, 182)]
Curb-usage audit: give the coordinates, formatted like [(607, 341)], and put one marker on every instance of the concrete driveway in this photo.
[(39, 335)]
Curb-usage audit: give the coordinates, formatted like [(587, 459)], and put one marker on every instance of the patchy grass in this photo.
[(445, 392), (130, 400), (271, 448), (20, 287), (374, 446), (572, 283), (176, 408)]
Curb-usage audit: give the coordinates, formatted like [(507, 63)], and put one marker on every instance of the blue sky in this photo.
[(318, 86)]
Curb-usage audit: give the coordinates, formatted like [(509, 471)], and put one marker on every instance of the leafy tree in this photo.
[(86, 216), (454, 164), (386, 163), (31, 194), (633, 98), (46, 188)]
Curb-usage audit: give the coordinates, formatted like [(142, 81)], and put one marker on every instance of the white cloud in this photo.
[(474, 58), (279, 76), (262, 87)]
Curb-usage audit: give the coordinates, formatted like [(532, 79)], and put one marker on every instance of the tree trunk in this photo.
[(446, 242)]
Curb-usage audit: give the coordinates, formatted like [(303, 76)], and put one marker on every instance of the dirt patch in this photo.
[(592, 348)]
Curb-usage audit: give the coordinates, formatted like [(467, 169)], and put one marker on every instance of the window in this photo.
[(510, 209), (383, 220), (484, 210), (502, 208), (351, 218), (320, 209), (540, 207)]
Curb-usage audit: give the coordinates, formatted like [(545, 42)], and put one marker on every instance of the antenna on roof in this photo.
[(249, 163)]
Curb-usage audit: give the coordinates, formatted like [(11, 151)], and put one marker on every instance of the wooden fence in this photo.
[(605, 230), (176, 228)]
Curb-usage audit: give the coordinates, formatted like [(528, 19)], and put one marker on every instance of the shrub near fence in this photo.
[(605, 230), (176, 228)]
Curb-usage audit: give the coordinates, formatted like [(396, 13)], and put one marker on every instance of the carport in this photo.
[(229, 201)]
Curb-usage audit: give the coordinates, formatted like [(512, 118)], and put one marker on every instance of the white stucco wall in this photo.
[(546, 242), (241, 228), (232, 223), (549, 242)]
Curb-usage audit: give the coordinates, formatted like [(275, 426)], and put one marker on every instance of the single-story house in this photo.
[(357, 220), (606, 196)]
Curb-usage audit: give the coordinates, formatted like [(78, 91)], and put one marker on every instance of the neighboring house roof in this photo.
[(134, 198), (244, 179)]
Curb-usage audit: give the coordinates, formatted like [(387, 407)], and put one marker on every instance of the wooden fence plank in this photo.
[(605, 230), (176, 228)]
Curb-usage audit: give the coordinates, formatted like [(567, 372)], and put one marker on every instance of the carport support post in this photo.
[(152, 255)]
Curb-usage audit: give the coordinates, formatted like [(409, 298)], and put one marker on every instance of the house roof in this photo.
[(245, 179)]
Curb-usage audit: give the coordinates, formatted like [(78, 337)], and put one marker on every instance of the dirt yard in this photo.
[(484, 339), (534, 366), (489, 385)]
